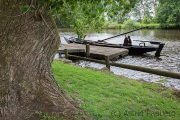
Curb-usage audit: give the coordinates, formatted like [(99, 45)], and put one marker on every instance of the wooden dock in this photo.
[(98, 52)]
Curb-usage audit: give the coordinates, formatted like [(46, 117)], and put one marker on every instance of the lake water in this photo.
[(169, 60)]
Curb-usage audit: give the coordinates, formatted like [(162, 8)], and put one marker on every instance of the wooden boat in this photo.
[(133, 49)]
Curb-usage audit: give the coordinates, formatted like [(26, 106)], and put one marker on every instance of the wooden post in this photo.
[(107, 62), (66, 53), (60, 55), (87, 50)]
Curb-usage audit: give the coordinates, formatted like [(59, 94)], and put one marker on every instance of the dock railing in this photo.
[(107, 62)]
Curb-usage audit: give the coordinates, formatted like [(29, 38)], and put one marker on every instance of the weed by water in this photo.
[(162, 80)]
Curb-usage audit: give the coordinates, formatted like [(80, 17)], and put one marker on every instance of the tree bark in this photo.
[(28, 43)]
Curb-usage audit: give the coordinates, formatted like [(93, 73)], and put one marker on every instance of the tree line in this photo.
[(163, 12)]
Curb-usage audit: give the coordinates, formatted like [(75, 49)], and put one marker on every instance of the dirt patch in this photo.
[(46, 110), (177, 94)]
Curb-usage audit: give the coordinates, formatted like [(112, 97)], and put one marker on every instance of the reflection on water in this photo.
[(169, 60), (167, 34)]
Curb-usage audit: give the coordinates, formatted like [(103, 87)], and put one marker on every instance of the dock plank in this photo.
[(95, 51)]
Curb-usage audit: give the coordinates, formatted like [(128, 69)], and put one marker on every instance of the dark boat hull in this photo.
[(134, 49)]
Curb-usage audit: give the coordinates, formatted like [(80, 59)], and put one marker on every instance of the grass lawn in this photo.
[(106, 96)]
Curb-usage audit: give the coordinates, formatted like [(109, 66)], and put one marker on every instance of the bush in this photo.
[(111, 25), (147, 19), (128, 24), (151, 26)]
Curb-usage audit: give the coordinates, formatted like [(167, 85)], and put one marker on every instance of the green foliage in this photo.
[(147, 19), (38, 113), (106, 96), (111, 25), (144, 8), (162, 80), (85, 14), (128, 24), (29, 116), (168, 12), (154, 26), (149, 26), (45, 116)]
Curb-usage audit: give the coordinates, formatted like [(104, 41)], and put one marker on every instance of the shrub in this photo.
[(151, 26), (128, 24), (111, 25), (147, 19)]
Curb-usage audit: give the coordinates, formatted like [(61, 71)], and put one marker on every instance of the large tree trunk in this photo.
[(28, 42)]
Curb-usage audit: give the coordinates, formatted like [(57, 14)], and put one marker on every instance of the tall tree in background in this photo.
[(144, 8), (28, 43), (168, 13)]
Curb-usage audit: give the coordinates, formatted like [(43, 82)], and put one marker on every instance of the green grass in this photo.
[(131, 24), (111, 25), (106, 96), (150, 26), (114, 25)]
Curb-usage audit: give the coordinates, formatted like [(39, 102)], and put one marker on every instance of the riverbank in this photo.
[(105, 96), (130, 24)]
